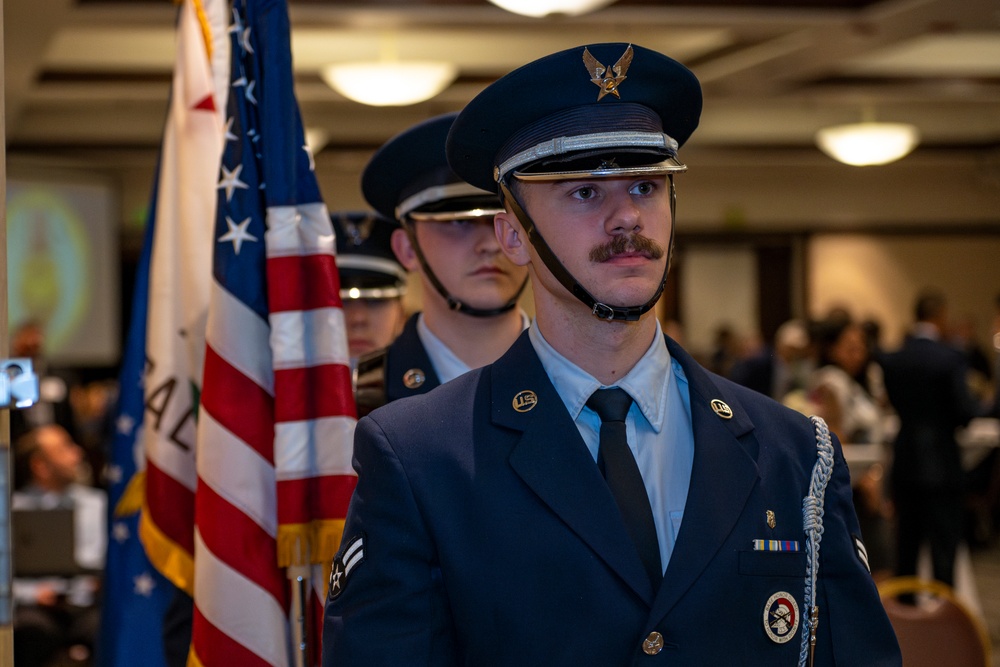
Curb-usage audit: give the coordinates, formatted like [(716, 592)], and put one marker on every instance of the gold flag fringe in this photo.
[(309, 543)]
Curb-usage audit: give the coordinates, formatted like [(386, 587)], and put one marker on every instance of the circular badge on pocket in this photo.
[(781, 617)]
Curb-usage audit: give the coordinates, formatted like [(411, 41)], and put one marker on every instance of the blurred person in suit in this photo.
[(58, 613), (926, 381), (780, 368)]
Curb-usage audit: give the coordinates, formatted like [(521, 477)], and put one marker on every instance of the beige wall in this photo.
[(790, 191), (879, 276), (786, 190), (719, 287)]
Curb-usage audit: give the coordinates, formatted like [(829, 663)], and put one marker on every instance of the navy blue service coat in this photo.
[(481, 535), (386, 375)]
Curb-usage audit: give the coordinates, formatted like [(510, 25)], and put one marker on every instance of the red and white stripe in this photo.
[(274, 442)]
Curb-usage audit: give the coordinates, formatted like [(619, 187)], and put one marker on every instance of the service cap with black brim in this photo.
[(409, 179), (410, 173), (366, 264), (594, 111)]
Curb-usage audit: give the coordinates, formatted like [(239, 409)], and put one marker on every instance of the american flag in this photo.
[(277, 414)]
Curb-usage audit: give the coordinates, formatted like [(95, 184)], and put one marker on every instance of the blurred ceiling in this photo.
[(85, 76)]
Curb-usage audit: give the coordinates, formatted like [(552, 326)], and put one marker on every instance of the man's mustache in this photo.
[(627, 243)]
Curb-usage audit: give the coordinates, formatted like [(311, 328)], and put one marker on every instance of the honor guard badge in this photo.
[(720, 408), (413, 378), (600, 76), (352, 555), (781, 617), (525, 401)]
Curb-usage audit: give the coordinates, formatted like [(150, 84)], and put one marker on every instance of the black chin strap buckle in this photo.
[(603, 311)]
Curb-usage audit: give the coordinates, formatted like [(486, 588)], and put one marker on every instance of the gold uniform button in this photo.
[(652, 644), (413, 378)]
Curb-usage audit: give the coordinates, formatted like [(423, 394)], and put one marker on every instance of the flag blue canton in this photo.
[(240, 253), (256, 171), (135, 594)]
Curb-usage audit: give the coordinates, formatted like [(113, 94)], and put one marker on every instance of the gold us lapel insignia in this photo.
[(525, 401), (720, 408), (607, 79)]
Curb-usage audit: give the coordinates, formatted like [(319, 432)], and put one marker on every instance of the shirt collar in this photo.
[(446, 363), (926, 330), (646, 383)]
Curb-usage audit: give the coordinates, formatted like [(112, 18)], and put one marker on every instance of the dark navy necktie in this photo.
[(616, 463)]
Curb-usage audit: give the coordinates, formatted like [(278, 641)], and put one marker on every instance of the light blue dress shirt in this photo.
[(446, 363), (658, 425)]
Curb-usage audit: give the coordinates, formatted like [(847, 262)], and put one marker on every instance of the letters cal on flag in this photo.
[(277, 414)]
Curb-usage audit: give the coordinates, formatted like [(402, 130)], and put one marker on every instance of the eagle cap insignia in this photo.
[(359, 231), (607, 79)]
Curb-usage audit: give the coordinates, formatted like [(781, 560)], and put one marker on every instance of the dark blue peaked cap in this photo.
[(367, 266), (598, 109), (410, 172)]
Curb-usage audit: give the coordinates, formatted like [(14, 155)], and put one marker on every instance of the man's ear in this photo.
[(512, 239), (403, 249)]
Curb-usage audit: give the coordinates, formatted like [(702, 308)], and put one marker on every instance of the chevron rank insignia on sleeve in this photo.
[(862, 552), (351, 555)]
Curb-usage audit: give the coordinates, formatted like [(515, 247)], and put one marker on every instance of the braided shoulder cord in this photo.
[(812, 521)]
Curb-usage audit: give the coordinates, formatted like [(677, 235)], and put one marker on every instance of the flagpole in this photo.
[(299, 575)]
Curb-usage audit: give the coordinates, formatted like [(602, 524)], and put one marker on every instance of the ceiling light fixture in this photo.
[(316, 139), (389, 82), (540, 8), (868, 143)]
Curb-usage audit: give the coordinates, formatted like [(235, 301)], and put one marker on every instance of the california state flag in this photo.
[(180, 279)]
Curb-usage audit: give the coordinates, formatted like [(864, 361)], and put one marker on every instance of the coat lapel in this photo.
[(552, 459), (723, 475), (405, 354)]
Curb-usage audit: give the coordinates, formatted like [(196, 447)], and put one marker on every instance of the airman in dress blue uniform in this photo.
[(372, 281), (470, 289), (595, 497)]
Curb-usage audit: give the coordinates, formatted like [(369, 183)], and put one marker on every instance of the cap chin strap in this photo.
[(453, 303), (555, 267)]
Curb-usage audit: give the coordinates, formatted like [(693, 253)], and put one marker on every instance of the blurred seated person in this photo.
[(845, 389), (27, 340), (963, 337), (781, 368), (58, 612), (372, 281)]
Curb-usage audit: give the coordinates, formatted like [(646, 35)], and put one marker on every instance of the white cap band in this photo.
[(583, 142)]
